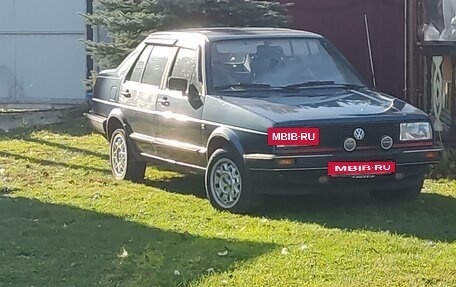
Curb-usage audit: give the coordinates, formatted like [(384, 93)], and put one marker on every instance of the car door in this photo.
[(146, 100), (131, 100), (178, 124)]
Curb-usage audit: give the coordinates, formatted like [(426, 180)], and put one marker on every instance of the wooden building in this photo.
[(431, 60)]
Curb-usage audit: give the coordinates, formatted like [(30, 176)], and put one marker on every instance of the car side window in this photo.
[(185, 64), (137, 71), (186, 67), (156, 64)]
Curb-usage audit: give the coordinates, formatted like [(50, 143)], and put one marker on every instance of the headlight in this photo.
[(416, 132)]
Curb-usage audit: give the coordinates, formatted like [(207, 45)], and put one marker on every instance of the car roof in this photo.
[(228, 33)]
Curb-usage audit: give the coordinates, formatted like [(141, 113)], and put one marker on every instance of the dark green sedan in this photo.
[(259, 111)]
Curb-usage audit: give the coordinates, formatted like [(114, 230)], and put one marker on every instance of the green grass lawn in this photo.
[(65, 222)]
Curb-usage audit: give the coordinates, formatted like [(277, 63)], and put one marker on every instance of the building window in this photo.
[(439, 20)]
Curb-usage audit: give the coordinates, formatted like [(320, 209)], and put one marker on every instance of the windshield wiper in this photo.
[(259, 87), (243, 86), (323, 84), (351, 86), (310, 84)]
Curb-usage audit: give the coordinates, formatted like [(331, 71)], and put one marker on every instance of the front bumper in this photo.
[(309, 173)]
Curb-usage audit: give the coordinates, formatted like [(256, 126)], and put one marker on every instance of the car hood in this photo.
[(325, 104)]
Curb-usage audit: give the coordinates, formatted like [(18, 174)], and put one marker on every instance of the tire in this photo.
[(123, 164), (228, 187), (410, 192)]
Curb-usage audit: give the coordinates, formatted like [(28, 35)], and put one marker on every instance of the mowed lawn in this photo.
[(65, 222)]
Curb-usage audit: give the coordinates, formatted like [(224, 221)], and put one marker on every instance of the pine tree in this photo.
[(129, 21)]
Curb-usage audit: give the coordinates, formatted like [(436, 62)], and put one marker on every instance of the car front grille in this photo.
[(332, 138)]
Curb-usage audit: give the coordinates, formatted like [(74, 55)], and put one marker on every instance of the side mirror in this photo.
[(178, 84)]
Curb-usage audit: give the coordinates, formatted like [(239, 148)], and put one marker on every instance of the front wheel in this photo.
[(123, 164), (227, 184)]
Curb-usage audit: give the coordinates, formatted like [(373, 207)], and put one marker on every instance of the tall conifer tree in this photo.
[(127, 22)]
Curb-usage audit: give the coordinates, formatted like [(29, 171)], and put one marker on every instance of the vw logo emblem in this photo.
[(350, 144), (359, 134)]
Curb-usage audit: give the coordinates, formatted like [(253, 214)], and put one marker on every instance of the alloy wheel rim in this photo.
[(119, 155), (226, 183)]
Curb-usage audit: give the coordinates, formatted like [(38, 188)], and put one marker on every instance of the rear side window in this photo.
[(136, 73), (156, 65)]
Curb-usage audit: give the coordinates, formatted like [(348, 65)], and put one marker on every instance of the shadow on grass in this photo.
[(54, 245), (77, 127), (187, 184), (67, 147), (431, 217), (74, 128), (46, 162)]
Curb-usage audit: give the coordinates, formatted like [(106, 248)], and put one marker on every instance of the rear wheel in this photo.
[(227, 183), (410, 192), (123, 164)]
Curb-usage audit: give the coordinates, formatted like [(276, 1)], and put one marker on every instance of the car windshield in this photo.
[(262, 64)]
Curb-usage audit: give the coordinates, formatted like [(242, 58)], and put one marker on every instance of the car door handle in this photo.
[(164, 102), (126, 93)]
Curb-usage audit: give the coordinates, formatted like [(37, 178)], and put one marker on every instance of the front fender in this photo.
[(229, 136)]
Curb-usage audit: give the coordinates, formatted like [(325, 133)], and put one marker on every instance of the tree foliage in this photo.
[(129, 21)]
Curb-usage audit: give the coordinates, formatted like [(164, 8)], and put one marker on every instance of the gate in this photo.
[(343, 23), (41, 57)]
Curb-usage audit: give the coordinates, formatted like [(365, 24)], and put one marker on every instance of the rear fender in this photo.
[(117, 120)]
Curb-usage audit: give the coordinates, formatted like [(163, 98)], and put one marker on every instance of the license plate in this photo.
[(356, 169)]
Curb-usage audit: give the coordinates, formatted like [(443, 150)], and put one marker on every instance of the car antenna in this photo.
[(369, 45)]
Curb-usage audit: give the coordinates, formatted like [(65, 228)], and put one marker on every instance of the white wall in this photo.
[(42, 59)]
